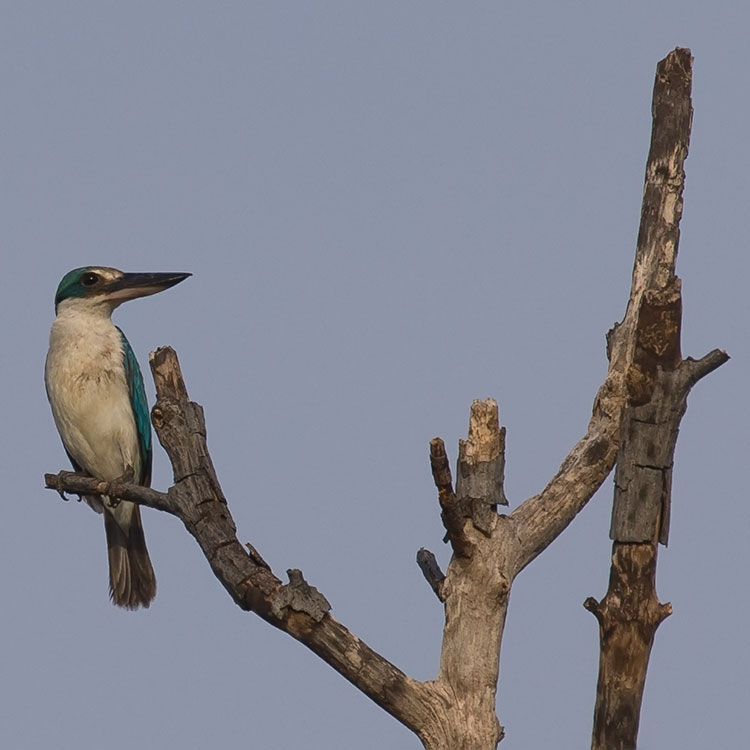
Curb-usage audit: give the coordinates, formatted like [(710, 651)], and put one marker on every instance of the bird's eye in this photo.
[(89, 279)]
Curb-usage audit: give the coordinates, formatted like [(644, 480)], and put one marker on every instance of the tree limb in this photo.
[(451, 513), (431, 571), (297, 608)]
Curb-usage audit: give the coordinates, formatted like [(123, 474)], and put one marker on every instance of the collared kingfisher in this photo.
[(95, 388)]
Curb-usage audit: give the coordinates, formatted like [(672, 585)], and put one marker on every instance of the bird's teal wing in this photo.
[(140, 409)]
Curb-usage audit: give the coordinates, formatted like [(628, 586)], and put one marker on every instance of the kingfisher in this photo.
[(95, 388)]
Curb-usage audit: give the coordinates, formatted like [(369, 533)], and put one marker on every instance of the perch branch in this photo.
[(81, 484), (297, 608)]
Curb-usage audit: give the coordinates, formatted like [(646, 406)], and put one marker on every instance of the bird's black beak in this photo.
[(132, 285)]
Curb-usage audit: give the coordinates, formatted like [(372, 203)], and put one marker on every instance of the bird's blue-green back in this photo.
[(140, 409)]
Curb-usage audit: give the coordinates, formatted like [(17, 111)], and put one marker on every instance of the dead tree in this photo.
[(658, 384), (636, 412)]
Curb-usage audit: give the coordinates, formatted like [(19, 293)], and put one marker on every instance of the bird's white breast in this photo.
[(89, 394)]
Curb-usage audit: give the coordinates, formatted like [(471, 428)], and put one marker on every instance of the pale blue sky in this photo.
[(389, 209)]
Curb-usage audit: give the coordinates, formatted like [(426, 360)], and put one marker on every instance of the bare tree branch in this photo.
[(481, 465), (431, 571), (297, 608), (451, 512), (81, 484)]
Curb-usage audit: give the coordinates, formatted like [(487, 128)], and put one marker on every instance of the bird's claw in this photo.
[(61, 492), (59, 487), (126, 477)]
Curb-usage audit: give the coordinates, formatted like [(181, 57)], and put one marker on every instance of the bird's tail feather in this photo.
[(132, 583)]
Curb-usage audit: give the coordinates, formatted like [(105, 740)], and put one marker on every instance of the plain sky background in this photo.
[(389, 209)]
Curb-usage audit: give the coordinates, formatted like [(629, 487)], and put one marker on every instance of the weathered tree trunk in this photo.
[(456, 710), (658, 386)]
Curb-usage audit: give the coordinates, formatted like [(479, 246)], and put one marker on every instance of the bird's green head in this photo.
[(110, 287)]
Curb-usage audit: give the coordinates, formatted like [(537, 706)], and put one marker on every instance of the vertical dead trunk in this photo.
[(657, 388)]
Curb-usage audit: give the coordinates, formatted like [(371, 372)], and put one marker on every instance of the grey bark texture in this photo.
[(456, 710)]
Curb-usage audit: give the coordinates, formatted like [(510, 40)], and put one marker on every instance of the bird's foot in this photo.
[(62, 475), (59, 488), (126, 477)]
